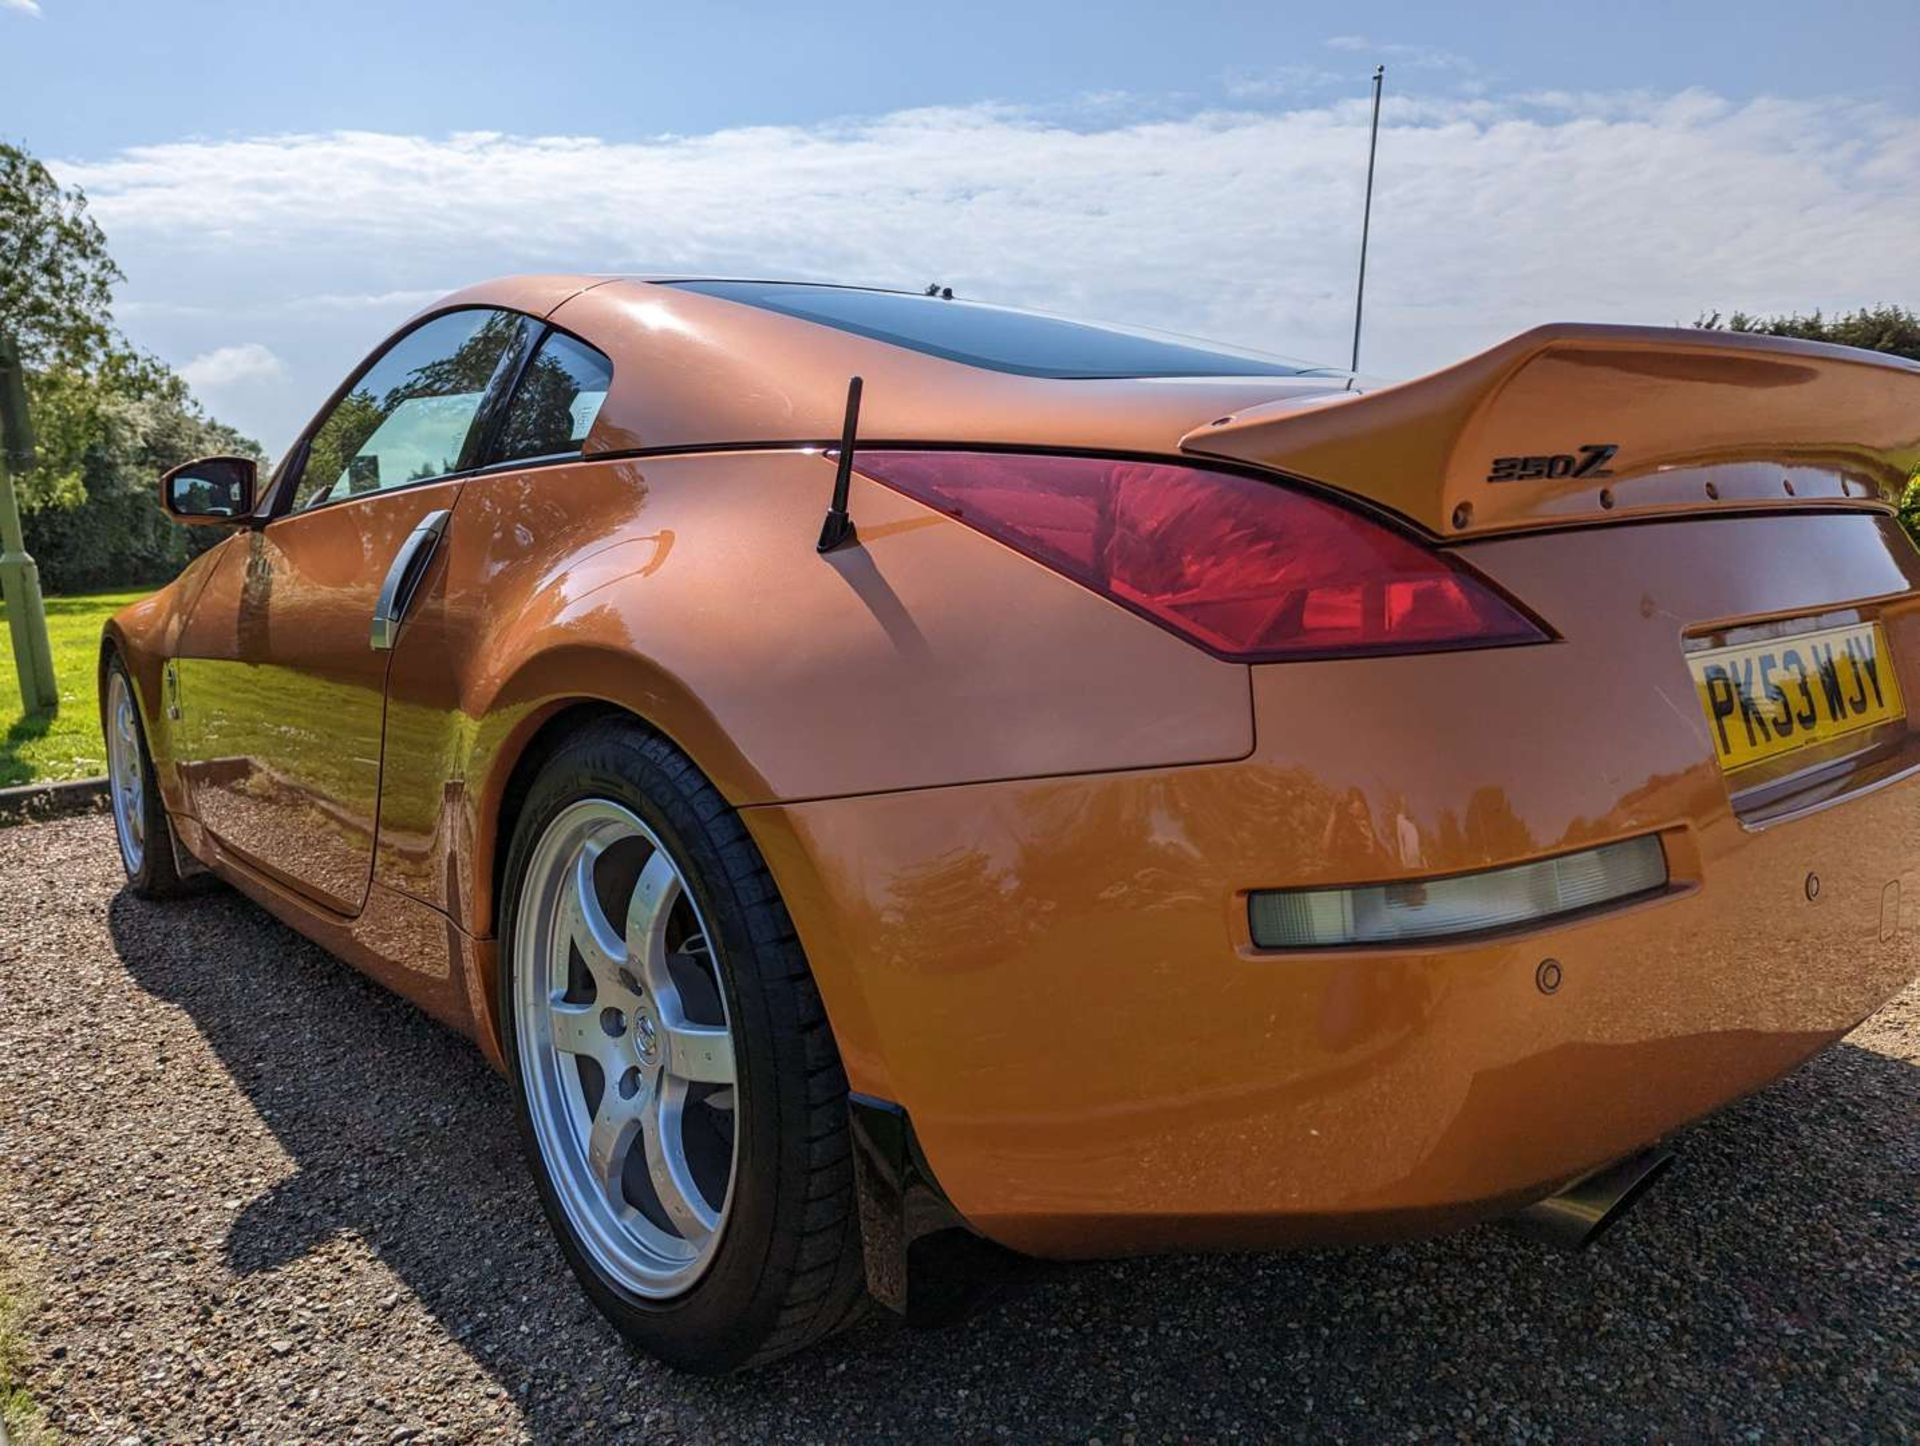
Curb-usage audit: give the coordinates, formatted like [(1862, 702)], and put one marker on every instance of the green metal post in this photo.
[(19, 578)]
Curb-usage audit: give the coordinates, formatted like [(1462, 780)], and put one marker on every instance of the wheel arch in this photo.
[(144, 635), (112, 645), (135, 648), (115, 643), (544, 737), (538, 730), (542, 702)]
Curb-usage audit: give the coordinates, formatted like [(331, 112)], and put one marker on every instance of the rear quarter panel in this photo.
[(687, 590)]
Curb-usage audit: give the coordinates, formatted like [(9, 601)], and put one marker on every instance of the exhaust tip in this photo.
[(1585, 1210)]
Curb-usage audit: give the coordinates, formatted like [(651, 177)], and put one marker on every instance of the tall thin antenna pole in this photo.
[(1366, 216)]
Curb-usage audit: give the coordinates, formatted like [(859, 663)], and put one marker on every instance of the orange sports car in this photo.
[(1069, 791)]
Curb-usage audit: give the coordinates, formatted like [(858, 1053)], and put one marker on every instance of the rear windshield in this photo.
[(996, 337)]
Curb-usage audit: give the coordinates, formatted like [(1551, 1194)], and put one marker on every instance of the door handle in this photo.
[(403, 578)]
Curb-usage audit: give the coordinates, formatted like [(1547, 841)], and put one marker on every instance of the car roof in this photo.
[(694, 370)]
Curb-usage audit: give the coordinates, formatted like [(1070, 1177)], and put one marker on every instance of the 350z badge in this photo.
[(1591, 462)]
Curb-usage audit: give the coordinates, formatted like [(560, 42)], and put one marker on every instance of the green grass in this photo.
[(24, 1424), (45, 747)]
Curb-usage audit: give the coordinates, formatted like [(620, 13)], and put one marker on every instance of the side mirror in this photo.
[(213, 491)]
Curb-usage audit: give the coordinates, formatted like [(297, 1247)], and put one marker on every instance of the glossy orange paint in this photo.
[(281, 699), (1057, 981), (692, 370), (598, 581), (1016, 825), (1699, 420)]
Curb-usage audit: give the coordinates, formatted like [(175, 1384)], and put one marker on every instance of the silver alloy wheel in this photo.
[(125, 778), (625, 1048)]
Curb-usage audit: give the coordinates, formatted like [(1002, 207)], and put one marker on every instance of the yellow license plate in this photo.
[(1766, 699)]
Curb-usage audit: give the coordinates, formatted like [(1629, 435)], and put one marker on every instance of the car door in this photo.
[(279, 678), (521, 501)]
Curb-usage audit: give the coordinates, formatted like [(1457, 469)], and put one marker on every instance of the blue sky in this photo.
[(170, 69), (284, 183)]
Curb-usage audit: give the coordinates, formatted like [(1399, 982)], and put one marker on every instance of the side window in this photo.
[(558, 397), (409, 417)]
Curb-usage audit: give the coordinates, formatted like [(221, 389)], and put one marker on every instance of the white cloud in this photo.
[(227, 366), (321, 303), (1491, 214), (1259, 83), (1420, 57), (409, 299), (24, 7)]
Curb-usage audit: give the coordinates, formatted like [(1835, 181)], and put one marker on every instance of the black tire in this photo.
[(788, 1269), (158, 876)]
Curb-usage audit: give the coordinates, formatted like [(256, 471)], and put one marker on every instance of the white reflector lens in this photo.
[(1464, 904)]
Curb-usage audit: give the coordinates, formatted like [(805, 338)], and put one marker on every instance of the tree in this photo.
[(56, 278), (1885, 328), (136, 419), (109, 419)]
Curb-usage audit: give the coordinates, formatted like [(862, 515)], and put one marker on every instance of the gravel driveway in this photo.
[(258, 1196)]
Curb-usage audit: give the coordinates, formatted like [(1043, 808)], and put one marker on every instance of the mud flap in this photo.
[(922, 1258)]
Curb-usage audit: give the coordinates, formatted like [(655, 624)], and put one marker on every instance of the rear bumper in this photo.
[(1042, 975), (1055, 977)]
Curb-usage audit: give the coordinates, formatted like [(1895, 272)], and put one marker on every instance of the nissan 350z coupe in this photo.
[(1074, 792)]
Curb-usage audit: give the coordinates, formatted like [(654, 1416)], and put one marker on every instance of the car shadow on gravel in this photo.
[(1768, 1285)]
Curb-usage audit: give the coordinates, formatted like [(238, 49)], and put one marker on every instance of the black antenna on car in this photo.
[(1366, 215), (837, 530)]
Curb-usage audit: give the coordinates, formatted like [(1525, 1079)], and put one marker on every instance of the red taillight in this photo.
[(1251, 570)]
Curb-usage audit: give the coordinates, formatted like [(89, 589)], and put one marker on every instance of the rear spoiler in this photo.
[(1573, 424)]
